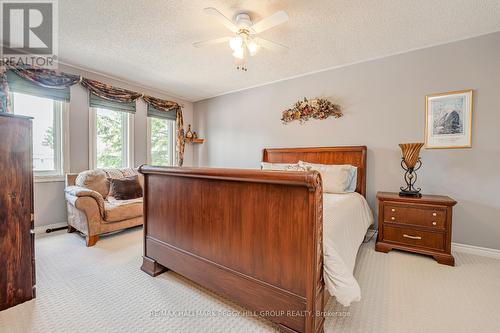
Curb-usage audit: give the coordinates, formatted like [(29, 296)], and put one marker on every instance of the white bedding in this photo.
[(346, 217)]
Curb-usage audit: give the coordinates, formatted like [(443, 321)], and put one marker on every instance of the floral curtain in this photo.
[(170, 106), (181, 142), (41, 77), (45, 77), (57, 80), (4, 91), (109, 92), (161, 104)]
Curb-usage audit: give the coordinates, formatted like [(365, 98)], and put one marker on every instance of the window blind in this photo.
[(155, 113), (98, 102)]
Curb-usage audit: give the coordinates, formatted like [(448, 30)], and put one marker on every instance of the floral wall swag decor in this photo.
[(318, 108)]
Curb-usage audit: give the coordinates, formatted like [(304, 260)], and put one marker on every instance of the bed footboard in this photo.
[(252, 236)]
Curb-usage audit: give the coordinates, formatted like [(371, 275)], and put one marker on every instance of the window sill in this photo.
[(48, 179)]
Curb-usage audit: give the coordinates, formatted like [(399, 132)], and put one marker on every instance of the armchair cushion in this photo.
[(95, 180), (119, 210)]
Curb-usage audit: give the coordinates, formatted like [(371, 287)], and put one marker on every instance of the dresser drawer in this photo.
[(408, 236), (426, 216)]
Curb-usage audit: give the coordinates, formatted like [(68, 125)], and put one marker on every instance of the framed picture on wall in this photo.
[(448, 120)]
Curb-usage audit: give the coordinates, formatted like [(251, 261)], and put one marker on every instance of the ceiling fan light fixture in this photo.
[(244, 42), (236, 43), (253, 48), (239, 53)]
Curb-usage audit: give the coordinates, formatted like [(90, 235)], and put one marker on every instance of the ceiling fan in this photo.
[(245, 41)]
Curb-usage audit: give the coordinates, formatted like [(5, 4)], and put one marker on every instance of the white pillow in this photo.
[(282, 166), (354, 179), (337, 178)]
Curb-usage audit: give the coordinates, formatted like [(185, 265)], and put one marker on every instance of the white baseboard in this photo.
[(477, 250), (41, 228)]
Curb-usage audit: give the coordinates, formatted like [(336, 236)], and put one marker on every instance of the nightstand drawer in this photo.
[(427, 216), (413, 237)]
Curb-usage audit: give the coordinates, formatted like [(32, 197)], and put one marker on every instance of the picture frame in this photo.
[(448, 120)]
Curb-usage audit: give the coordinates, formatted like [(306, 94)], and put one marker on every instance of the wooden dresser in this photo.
[(420, 225), (17, 275)]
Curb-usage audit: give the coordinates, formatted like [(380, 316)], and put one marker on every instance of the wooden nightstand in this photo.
[(420, 225)]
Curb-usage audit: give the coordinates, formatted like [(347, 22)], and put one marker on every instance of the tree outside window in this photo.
[(161, 141), (111, 132), (48, 129)]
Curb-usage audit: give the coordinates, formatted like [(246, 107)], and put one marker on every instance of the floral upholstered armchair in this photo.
[(93, 211)]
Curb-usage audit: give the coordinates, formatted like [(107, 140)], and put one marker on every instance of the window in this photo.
[(161, 141), (111, 138), (49, 136)]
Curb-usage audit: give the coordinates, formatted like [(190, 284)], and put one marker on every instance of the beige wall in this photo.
[(50, 206), (384, 105)]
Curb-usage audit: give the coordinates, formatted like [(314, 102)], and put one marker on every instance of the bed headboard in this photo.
[(353, 155)]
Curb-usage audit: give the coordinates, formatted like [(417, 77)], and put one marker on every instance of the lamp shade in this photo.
[(411, 153)]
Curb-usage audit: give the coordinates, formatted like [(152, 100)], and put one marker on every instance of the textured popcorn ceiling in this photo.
[(149, 42)]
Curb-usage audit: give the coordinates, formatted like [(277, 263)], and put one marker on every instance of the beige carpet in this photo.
[(101, 289)]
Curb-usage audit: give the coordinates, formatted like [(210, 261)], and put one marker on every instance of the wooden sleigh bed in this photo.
[(252, 236)]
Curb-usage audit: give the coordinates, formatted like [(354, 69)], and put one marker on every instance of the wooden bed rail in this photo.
[(252, 236)]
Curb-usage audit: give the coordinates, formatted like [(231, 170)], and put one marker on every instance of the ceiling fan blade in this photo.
[(270, 22), (211, 42), (270, 45), (221, 18)]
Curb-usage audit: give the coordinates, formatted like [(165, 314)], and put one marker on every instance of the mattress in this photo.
[(346, 218)]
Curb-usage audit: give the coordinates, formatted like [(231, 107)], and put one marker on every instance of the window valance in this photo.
[(27, 83), (55, 85), (106, 96), (45, 78), (160, 108)]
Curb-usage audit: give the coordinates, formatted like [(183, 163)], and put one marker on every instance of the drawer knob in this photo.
[(434, 214), (411, 237), (434, 223), (393, 210), (393, 218)]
